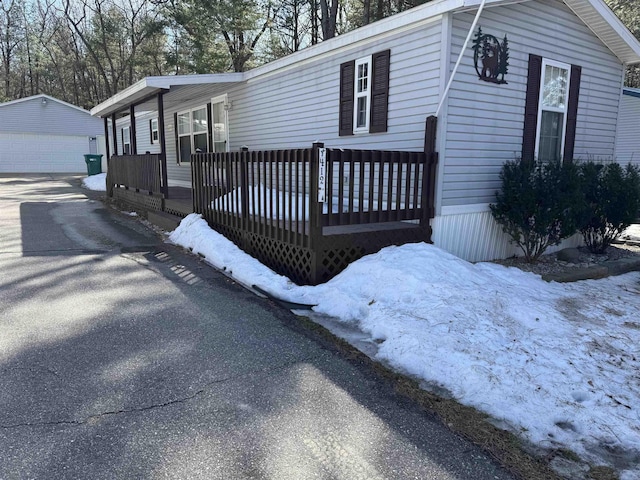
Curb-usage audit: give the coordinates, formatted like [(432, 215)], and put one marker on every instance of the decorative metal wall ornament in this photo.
[(490, 57)]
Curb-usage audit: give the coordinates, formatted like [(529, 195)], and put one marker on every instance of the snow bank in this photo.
[(556, 363), (96, 182)]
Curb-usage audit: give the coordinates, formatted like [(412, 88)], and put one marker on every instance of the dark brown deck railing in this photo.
[(267, 202), (137, 172)]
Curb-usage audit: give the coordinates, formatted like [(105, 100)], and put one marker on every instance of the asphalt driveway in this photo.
[(124, 358)]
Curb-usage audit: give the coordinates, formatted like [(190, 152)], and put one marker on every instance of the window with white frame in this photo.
[(193, 132), (126, 141), (552, 110), (153, 127), (200, 130), (362, 95)]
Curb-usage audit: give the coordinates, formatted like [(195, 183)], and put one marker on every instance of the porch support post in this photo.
[(164, 186), (115, 133), (132, 131), (106, 137)]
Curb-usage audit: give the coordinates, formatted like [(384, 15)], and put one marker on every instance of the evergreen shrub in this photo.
[(539, 204), (612, 202)]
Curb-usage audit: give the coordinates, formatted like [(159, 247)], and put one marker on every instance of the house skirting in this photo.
[(475, 236)]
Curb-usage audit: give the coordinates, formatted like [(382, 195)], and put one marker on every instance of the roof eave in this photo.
[(627, 47), (151, 85)]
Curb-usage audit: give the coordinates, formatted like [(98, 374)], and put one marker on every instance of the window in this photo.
[(551, 110), (219, 120), (192, 132), (153, 128), (364, 92), (362, 95), (126, 141)]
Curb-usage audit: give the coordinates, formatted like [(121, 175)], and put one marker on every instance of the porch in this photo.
[(305, 213)]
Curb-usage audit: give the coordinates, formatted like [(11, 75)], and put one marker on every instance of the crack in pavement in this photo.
[(92, 419)]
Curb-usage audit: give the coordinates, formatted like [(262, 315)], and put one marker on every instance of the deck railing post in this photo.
[(317, 186), (429, 173), (244, 187)]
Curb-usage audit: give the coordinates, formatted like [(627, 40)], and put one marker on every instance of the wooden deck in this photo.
[(179, 201), (305, 213)]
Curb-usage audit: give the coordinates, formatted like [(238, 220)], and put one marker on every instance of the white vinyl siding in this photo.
[(294, 108), (52, 118), (628, 142), (485, 121), (143, 138)]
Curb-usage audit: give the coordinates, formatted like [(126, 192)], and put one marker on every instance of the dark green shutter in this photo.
[(347, 78), (531, 108), (379, 92)]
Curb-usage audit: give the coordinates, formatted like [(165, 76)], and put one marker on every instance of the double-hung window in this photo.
[(153, 128), (362, 95), (552, 116), (126, 141), (551, 110), (192, 132)]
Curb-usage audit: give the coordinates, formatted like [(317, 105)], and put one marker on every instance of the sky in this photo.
[(556, 364)]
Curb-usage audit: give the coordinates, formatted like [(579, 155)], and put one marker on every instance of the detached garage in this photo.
[(42, 134)]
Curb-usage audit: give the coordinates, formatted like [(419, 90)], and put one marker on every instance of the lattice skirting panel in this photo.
[(336, 252), (137, 200), (177, 213), (331, 255)]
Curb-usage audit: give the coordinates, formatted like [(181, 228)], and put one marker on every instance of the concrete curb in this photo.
[(606, 269)]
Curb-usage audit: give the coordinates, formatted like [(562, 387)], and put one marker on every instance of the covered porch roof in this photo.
[(148, 87)]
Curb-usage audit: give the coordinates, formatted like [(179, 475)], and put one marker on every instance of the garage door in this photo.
[(29, 153)]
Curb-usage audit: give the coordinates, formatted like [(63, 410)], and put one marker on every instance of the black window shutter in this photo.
[(531, 108), (151, 131), (175, 133), (572, 113), (347, 78), (210, 127), (379, 92)]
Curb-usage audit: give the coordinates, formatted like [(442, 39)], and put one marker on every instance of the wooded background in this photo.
[(84, 51)]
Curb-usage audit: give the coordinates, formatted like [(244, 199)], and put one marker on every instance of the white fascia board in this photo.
[(149, 85), (48, 97), (398, 22), (633, 92), (392, 25), (614, 25)]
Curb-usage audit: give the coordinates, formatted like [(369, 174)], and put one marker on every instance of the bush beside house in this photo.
[(542, 203)]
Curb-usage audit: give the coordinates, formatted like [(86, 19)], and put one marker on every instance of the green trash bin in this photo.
[(94, 163)]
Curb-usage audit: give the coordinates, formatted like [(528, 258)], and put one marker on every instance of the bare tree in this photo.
[(11, 37)]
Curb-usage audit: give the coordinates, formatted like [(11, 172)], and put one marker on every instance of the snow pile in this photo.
[(96, 182), (632, 233), (556, 363)]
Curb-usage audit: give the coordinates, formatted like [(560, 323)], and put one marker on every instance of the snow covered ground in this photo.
[(96, 182), (558, 364)]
